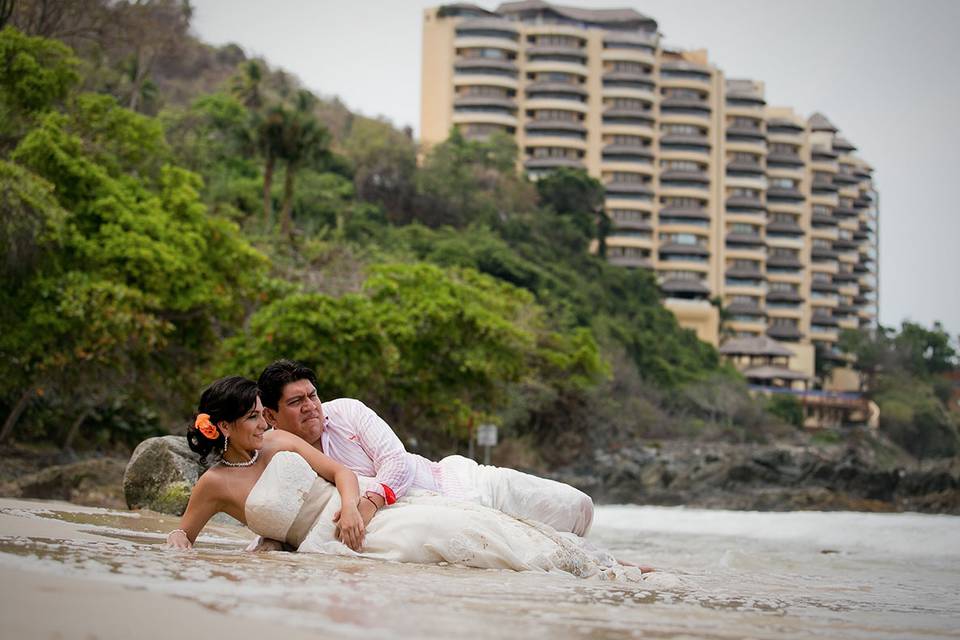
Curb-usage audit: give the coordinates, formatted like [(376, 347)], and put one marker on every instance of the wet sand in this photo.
[(78, 572)]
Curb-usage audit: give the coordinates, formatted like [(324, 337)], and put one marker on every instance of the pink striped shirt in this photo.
[(356, 437)]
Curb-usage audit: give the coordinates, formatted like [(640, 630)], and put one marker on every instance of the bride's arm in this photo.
[(350, 521), (203, 505)]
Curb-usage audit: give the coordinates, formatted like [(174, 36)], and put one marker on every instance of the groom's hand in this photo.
[(350, 527), (370, 503)]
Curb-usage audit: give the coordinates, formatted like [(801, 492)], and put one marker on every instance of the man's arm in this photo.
[(394, 473)]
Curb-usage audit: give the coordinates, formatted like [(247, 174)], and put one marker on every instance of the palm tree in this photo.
[(270, 131), (305, 141), (246, 85)]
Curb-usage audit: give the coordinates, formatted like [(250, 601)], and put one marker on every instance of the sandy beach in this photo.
[(68, 571)]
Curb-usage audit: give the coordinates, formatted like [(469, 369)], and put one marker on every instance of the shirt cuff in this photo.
[(388, 495)]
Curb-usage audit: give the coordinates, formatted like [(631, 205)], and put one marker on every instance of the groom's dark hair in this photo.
[(279, 374)]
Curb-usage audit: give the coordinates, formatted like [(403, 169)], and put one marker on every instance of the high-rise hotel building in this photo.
[(722, 195)]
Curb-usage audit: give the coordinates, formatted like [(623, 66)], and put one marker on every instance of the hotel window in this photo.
[(682, 129), (629, 67), (556, 114), (627, 177), (632, 141), (681, 165)]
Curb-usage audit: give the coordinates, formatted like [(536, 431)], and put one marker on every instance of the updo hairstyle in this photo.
[(225, 400)]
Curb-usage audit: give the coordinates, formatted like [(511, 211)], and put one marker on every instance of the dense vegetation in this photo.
[(174, 212)]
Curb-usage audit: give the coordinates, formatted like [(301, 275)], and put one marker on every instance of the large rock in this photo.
[(160, 475)]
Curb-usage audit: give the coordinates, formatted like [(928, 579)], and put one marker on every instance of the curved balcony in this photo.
[(678, 249), (746, 132), (745, 203), (628, 115), (551, 89), (628, 190), (844, 277), (823, 253), (785, 228), (845, 244), (745, 273), (681, 71), (683, 213), (823, 220), (784, 296), (548, 66), (637, 225), (843, 145), (822, 154), (553, 163), (784, 262), (556, 126), (844, 211), (781, 159), (488, 28), (823, 320), (745, 167), (784, 332), (628, 79), (744, 239), (845, 179), (485, 117), (627, 153), (694, 106), (480, 65), (507, 104), (784, 127), (748, 100), (791, 194), (746, 309), (680, 286), (684, 176), (573, 50), (681, 141), (824, 286), (823, 185)]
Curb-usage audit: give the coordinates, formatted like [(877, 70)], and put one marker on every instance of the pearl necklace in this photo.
[(253, 458)]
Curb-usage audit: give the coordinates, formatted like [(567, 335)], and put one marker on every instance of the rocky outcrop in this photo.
[(765, 477), (92, 482), (160, 475)]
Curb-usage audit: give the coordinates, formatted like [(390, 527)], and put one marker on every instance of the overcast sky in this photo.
[(886, 72)]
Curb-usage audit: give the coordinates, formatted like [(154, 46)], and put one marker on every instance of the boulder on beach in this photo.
[(160, 475)]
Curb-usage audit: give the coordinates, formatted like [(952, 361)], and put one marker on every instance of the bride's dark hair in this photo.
[(225, 400)]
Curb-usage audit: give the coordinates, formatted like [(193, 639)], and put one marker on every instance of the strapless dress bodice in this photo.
[(287, 498)]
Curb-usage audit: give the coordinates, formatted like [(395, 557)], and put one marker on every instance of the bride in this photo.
[(279, 486)]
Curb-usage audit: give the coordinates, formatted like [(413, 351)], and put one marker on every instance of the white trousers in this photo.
[(518, 494)]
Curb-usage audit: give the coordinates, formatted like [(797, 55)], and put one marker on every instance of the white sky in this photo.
[(886, 72)]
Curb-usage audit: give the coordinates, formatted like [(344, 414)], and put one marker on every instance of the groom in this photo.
[(352, 434)]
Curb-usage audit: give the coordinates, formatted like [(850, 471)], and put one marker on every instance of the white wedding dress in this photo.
[(291, 503)]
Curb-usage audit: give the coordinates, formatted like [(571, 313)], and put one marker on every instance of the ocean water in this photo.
[(720, 574)]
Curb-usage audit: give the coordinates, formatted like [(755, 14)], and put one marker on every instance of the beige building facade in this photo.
[(727, 198)]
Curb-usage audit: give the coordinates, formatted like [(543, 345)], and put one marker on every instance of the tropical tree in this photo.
[(574, 194), (304, 142), (271, 130), (246, 86), (126, 269)]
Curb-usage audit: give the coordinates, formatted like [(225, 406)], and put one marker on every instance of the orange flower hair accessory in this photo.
[(204, 426)]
